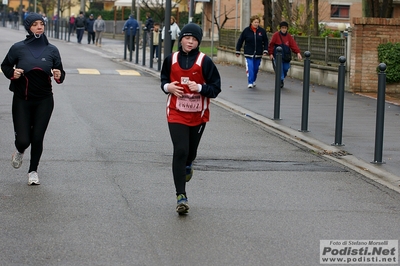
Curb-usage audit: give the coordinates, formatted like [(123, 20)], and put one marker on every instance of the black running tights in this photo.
[(185, 140), (31, 119)]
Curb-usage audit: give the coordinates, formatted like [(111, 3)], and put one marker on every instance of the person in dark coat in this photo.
[(90, 29), (29, 65), (255, 41), (80, 27), (129, 28)]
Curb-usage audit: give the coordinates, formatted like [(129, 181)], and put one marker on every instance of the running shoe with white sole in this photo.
[(182, 206), (16, 159), (33, 178)]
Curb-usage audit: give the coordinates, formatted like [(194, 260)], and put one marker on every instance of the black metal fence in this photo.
[(325, 50)]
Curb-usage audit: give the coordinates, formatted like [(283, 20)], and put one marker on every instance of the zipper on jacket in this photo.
[(26, 89), (255, 43)]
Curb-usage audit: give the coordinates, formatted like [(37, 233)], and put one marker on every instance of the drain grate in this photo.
[(336, 154), (232, 165)]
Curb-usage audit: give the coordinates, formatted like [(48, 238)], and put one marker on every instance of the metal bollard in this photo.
[(144, 47), (65, 29), (306, 92), (340, 103), (69, 33), (137, 45), (380, 114), (151, 48), (277, 62), (160, 43), (126, 36), (130, 44)]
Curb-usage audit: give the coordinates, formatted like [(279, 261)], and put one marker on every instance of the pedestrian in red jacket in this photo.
[(283, 39)]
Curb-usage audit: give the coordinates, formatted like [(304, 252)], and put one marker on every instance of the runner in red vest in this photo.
[(190, 78)]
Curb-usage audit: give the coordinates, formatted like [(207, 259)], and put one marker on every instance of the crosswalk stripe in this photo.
[(88, 71), (128, 72)]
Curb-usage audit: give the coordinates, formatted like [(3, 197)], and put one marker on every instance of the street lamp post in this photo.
[(191, 10), (341, 28), (167, 29)]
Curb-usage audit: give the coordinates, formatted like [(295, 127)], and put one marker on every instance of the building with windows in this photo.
[(230, 12), (18, 5)]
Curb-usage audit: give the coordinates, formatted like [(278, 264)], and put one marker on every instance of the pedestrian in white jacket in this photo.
[(175, 30)]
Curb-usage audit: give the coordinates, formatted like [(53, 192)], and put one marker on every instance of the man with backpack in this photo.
[(283, 39)]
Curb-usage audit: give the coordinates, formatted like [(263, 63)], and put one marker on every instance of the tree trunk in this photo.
[(309, 15), (267, 15), (316, 19)]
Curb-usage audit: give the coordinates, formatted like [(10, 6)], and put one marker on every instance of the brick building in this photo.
[(367, 34)]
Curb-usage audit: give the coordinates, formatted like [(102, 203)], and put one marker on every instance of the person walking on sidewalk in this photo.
[(175, 31), (90, 29), (156, 40), (29, 65), (149, 25), (255, 41), (71, 24), (130, 26), (99, 26), (190, 78), (283, 39), (80, 27)]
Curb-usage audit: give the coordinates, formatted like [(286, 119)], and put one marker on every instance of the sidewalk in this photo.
[(257, 104)]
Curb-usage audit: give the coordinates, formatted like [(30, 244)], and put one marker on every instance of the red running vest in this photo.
[(192, 108)]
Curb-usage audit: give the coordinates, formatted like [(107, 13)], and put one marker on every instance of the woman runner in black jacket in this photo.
[(29, 65)]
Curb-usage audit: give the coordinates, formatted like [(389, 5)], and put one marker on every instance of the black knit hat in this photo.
[(32, 17), (191, 29), (284, 24)]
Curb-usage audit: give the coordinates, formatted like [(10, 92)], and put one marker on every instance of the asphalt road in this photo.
[(107, 196)]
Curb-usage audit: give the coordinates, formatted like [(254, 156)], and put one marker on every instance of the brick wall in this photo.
[(367, 34)]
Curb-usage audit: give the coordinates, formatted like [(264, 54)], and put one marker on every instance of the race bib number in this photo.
[(189, 103), (185, 80)]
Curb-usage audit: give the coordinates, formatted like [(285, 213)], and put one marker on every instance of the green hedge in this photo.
[(389, 53)]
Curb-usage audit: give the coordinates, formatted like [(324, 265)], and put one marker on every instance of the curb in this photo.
[(372, 172)]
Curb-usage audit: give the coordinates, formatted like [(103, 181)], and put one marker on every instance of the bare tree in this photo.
[(316, 18), (224, 15), (47, 5), (157, 7), (267, 17)]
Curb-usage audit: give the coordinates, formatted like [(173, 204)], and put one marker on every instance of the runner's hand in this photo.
[(56, 73), (193, 86), (18, 72), (174, 89)]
